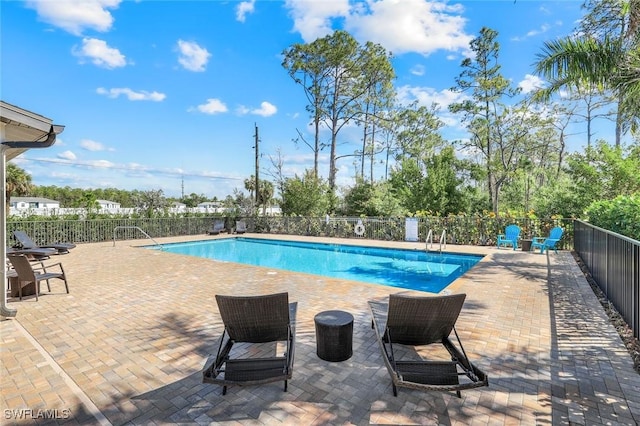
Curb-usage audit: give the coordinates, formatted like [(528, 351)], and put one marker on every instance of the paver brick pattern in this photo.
[(128, 343)]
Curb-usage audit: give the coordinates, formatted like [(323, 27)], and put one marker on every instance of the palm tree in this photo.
[(18, 182), (266, 194), (609, 62)]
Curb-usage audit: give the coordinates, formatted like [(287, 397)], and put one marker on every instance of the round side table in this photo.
[(334, 335)]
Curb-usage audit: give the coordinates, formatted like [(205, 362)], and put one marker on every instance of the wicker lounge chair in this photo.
[(27, 243), (33, 254), (218, 227), (250, 321), (416, 321), (510, 237), (27, 274)]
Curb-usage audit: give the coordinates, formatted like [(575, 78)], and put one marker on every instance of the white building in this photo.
[(26, 203), (108, 205)]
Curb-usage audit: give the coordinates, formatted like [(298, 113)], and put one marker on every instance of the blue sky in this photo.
[(157, 93)]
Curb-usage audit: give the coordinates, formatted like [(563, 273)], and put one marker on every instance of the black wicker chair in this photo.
[(253, 320), (417, 321)]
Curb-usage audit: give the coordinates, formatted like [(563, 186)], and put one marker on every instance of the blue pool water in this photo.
[(409, 269)]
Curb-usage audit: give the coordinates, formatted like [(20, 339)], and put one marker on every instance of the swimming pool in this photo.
[(403, 268)]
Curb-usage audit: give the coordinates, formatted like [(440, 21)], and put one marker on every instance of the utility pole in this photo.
[(257, 140)]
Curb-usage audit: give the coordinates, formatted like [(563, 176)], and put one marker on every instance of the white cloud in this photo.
[(132, 95), (400, 26), (213, 106), (192, 56), (243, 9), (543, 29), (99, 53), (532, 33), (90, 145), (266, 109), (411, 26), (312, 18), (100, 163), (74, 16), (426, 96), (67, 155), (417, 70), (531, 83)]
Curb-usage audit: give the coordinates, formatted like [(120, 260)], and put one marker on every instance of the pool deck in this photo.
[(128, 343)]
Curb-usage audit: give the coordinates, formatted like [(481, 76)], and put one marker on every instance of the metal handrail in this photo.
[(139, 229), (429, 239)]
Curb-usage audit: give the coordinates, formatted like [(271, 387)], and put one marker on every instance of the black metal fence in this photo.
[(614, 263), (468, 230), (99, 230)]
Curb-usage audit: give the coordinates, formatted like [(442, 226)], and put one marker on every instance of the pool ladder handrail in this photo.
[(429, 240), (139, 229)]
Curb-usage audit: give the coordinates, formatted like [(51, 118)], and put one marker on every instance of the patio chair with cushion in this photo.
[(550, 242), (218, 227), (404, 323), (241, 227), (510, 237), (27, 243), (257, 344), (27, 274)]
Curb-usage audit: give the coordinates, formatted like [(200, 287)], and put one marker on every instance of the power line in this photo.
[(131, 169)]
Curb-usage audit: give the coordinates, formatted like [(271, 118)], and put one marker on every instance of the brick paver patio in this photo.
[(127, 345)]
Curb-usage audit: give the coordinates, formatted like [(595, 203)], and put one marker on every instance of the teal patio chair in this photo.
[(510, 237), (550, 242)]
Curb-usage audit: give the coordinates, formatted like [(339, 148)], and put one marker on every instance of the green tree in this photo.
[(358, 200), (337, 74), (498, 132), (621, 215), (432, 184), (605, 172), (601, 173), (605, 54), (150, 202), (266, 195), (18, 182), (378, 95), (193, 199), (417, 132), (305, 196)]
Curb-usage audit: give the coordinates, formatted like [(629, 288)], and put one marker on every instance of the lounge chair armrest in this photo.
[(538, 240)]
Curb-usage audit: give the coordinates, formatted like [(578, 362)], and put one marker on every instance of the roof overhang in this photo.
[(23, 130)]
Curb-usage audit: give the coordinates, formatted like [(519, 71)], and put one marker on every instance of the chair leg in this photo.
[(285, 385), (459, 394), (224, 390)]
